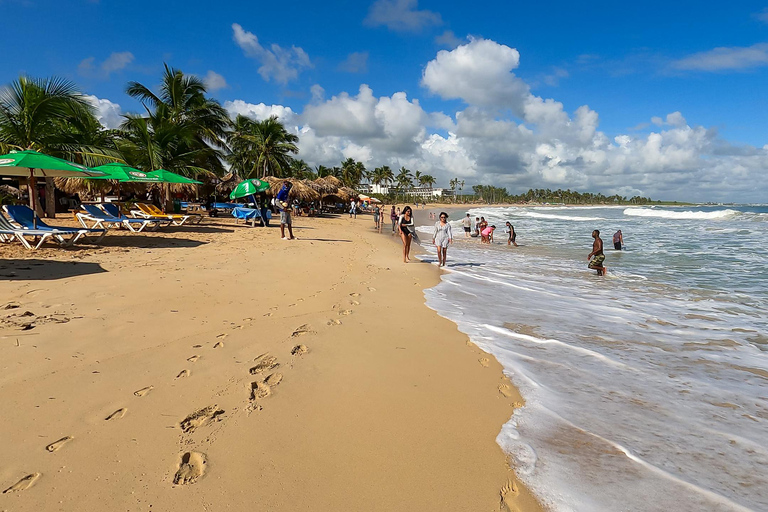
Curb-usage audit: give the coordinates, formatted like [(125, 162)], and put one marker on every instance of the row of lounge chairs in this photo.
[(95, 219)]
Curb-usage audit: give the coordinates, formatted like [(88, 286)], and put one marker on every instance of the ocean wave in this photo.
[(678, 215), (537, 215)]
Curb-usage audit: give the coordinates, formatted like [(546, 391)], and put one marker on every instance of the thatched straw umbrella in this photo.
[(324, 186), (84, 187), (350, 193), (333, 181), (300, 190)]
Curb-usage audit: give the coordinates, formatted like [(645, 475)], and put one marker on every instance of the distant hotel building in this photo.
[(422, 192)]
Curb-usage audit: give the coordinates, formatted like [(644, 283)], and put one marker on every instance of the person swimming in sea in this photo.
[(596, 257)]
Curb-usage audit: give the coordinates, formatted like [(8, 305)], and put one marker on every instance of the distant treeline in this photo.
[(490, 194)]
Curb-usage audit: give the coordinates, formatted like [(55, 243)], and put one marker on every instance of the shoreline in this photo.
[(390, 404)]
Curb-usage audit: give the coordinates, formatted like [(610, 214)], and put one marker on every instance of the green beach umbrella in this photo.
[(125, 173), (171, 177), (31, 164), (249, 187)]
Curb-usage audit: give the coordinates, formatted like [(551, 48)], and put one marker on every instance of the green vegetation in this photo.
[(489, 194)]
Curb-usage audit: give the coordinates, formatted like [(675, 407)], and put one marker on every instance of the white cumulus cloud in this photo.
[(278, 63), (109, 114), (260, 111), (479, 72)]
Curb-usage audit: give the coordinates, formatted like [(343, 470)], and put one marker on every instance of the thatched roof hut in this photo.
[(301, 189), (84, 187), (333, 181), (324, 186)]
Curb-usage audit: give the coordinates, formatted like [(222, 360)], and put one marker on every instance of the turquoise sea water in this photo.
[(646, 389)]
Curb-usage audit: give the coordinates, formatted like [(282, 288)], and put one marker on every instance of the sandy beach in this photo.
[(219, 368)]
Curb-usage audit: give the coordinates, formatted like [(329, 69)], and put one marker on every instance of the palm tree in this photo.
[(36, 113), (404, 180), (352, 172), (427, 180), (261, 148), (300, 170), (182, 98), (181, 131)]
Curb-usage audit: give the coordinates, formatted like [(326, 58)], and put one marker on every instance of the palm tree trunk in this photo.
[(50, 198)]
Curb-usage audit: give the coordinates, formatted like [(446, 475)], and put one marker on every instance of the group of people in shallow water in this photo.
[(442, 235)]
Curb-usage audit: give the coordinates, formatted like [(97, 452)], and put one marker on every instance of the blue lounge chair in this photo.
[(9, 233), (25, 218), (101, 218), (114, 210)]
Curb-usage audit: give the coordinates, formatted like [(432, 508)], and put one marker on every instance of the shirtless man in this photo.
[(597, 257)]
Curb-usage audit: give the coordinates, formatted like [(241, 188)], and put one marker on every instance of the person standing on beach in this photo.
[(476, 227), (393, 218), (442, 236), (376, 217), (597, 257), (281, 201), (467, 223), (406, 227), (618, 240), (512, 235)]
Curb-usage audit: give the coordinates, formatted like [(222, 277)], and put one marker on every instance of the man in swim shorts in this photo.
[(467, 223), (597, 257)]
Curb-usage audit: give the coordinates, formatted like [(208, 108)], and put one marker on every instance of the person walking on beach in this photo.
[(597, 257), (281, 201), (406, 227), (376, 217), (352, 209), (393, 217), (442, 236), (467, 223), (618, 240), (512, 234)]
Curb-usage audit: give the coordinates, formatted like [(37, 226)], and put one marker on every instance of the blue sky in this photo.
[(632, 65)]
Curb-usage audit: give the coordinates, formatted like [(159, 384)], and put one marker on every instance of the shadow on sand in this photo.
[(144, 242), (42, 270)]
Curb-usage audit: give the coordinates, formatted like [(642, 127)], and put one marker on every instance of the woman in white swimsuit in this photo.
[(442, 236)]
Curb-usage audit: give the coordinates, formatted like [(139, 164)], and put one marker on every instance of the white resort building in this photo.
[(420, 192)]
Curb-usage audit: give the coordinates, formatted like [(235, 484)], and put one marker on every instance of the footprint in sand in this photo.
[(116, 415), (299, 350), (193, 359), (182, 374), (484, 361), (505, 389), (191, 467), (221, 336), (219, 344), (199, 418), (264, 362), (197, 346), (267, 314), (58, 444), (261, 389), (23, 484), (507, 493), (354, 294), (371, 289), (334, 321), (301, 330), (345, 312), (354, 303), (144, 391)]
